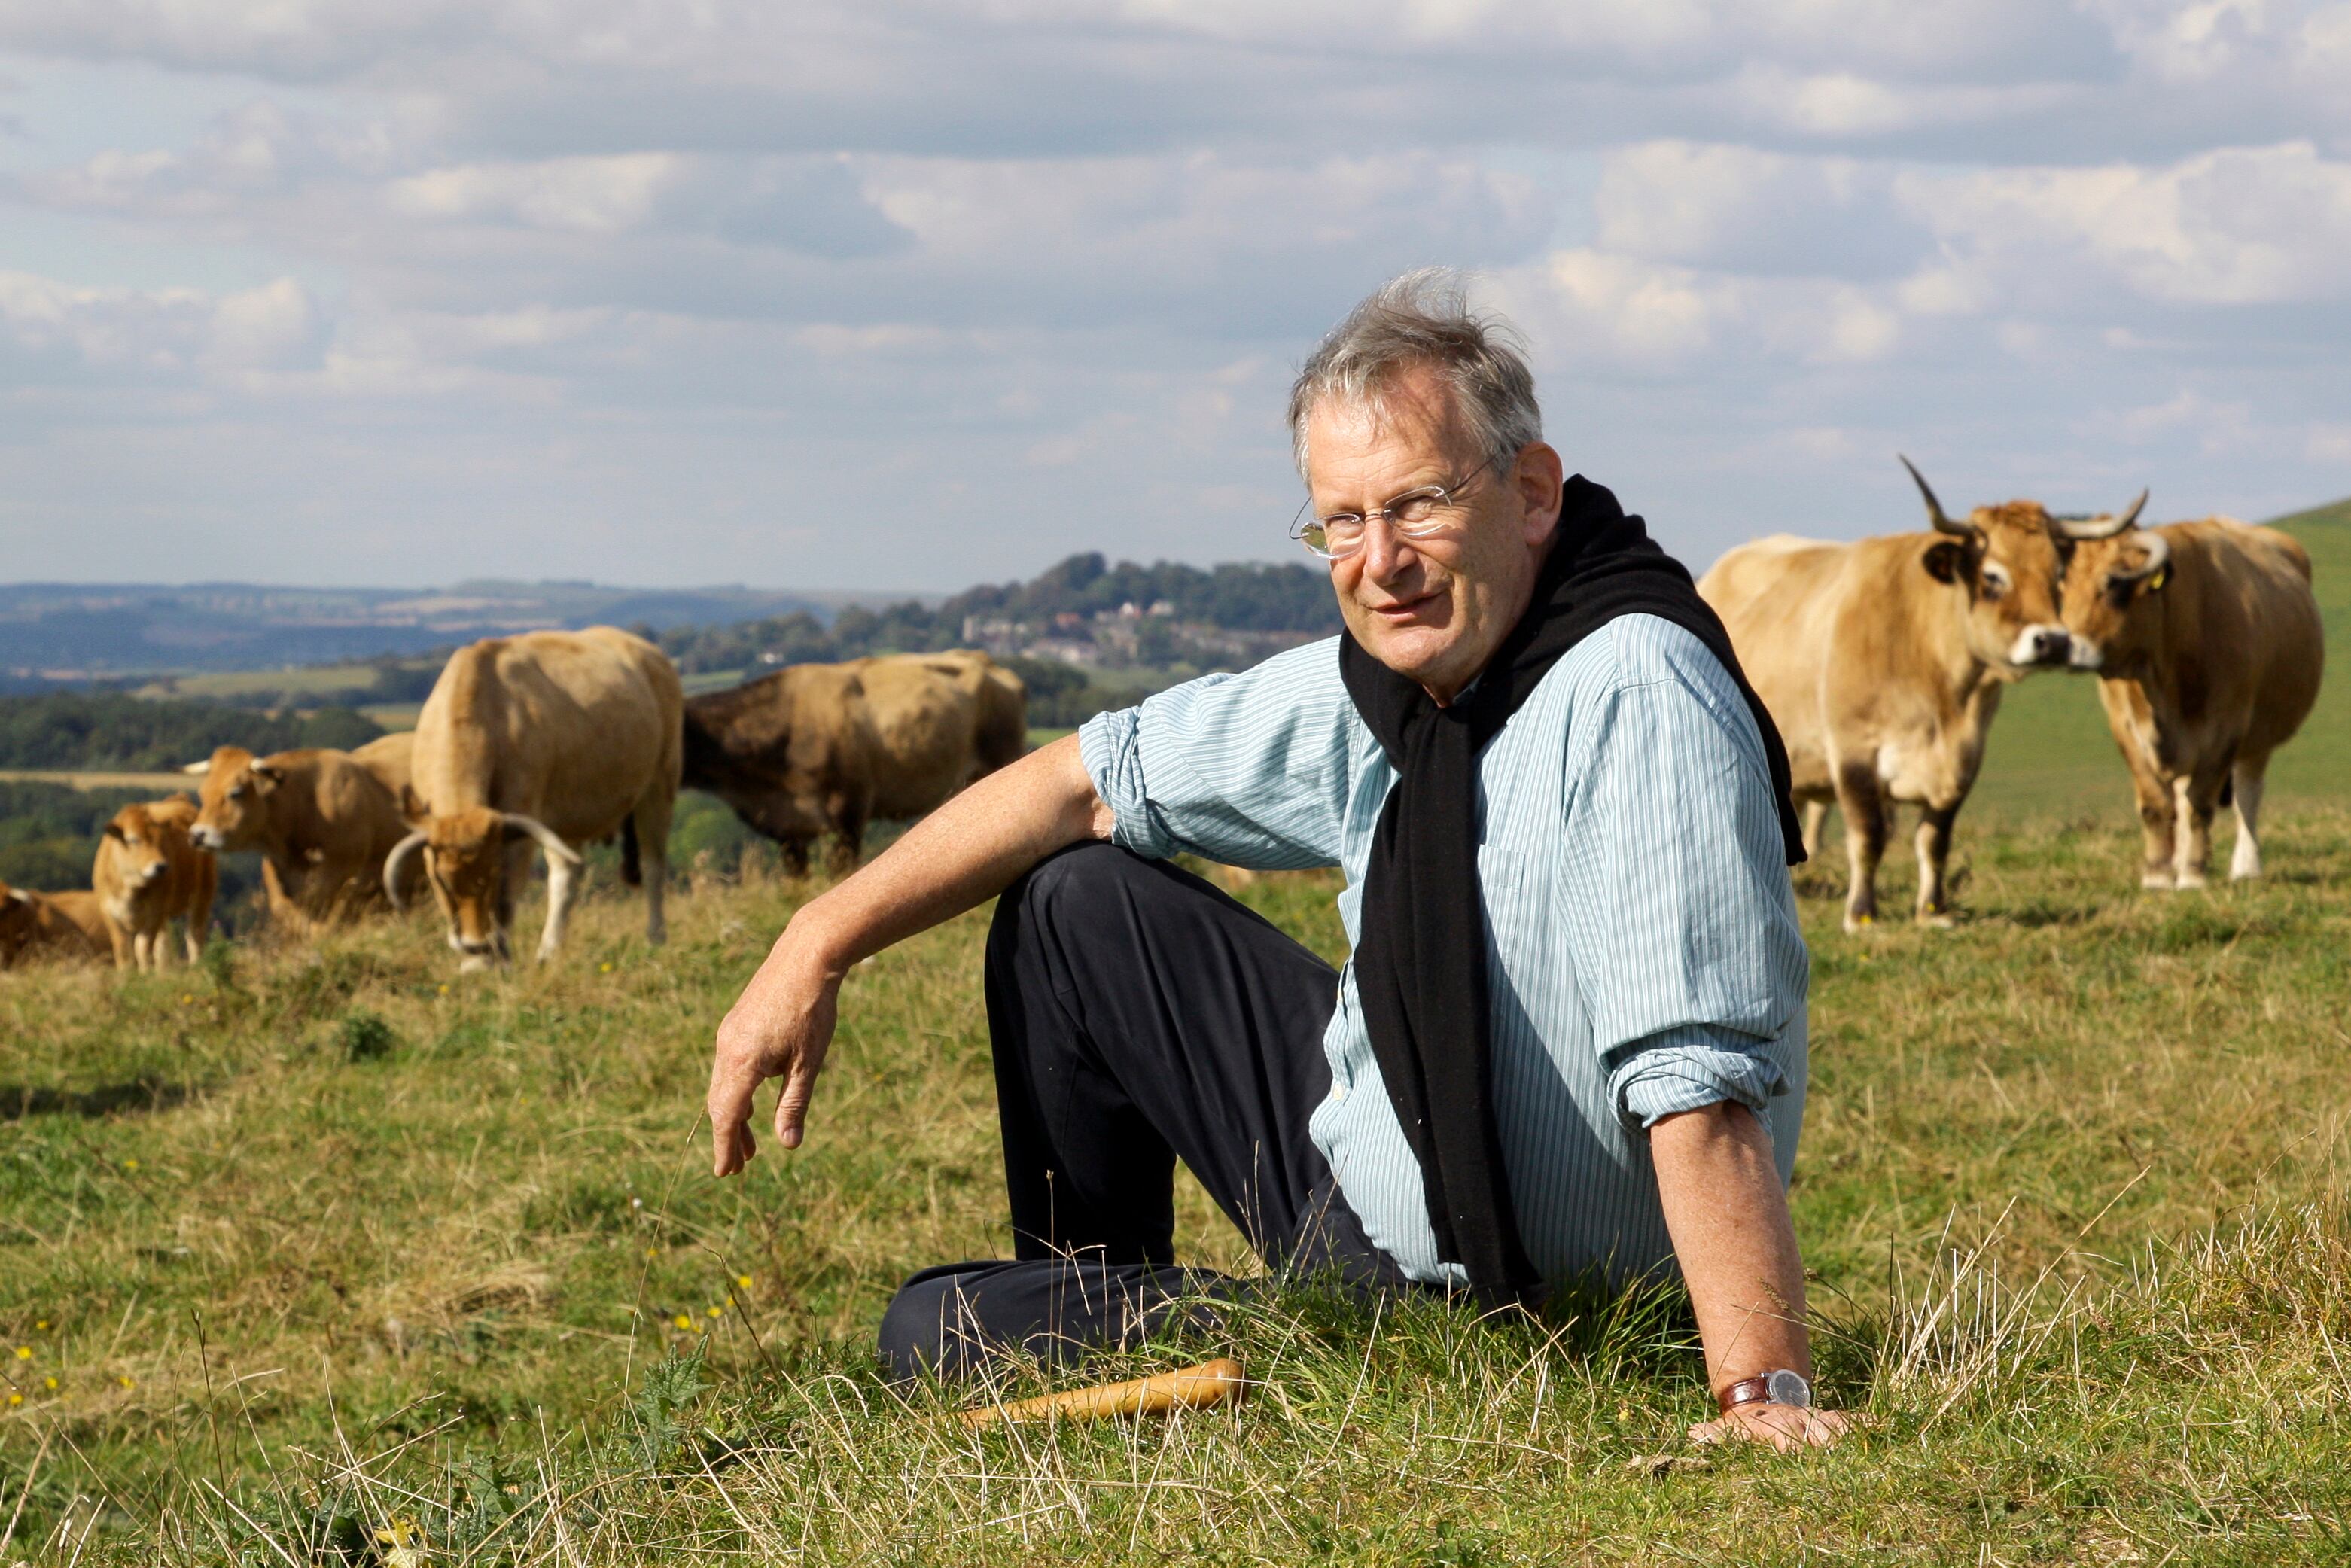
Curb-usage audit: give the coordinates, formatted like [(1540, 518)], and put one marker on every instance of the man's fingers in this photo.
[(791, 1106), (730, 1117)]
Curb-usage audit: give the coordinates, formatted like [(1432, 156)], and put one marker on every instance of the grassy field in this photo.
[(323, 1254)]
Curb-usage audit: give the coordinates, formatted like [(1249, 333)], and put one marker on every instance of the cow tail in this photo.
[(630, 870)]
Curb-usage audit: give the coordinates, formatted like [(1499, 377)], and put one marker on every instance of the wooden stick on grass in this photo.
[(1201, 1387)]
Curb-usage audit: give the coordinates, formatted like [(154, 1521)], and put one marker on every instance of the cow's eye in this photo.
[(238, 793), (1994, 585)]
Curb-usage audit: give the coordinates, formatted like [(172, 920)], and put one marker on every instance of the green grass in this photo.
[(329, 1233), (315, 1239)]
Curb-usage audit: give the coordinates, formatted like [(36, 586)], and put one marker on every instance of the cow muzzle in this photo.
[(476, 954), (207, 837), (2086, 654), (2042, 647)]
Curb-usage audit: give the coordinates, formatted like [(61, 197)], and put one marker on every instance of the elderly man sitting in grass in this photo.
[(1571, 1039)]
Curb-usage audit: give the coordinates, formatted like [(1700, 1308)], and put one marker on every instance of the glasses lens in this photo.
[(1340, 533), (1409, 511)]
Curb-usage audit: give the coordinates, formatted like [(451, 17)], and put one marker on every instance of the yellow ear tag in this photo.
[(2162, 576)]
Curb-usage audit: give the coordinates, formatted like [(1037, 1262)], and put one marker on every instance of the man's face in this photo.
[(1432, 608)]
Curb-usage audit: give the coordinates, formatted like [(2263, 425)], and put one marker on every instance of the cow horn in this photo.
[(1935, 513), (555, 846), (2158, 556), (393, 862), (198, 768), (2105, 527)]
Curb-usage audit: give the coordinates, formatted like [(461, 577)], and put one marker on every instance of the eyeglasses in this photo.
[(1415, 515)]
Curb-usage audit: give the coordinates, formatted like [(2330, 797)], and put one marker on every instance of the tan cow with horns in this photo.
[(2207, 645), (1883, 662), (554, 739), (323, 820)]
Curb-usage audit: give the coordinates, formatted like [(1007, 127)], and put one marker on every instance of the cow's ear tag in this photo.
[(2162, 575)]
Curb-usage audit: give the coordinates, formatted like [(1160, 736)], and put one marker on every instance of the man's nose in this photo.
[(1386, 554)]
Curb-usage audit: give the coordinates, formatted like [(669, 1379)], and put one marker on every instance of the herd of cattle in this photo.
[(543, 743), (1882, 662)]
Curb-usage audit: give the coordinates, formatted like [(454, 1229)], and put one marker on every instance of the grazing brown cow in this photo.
[(1883, 663), (2207, 645), (793, 753), (148, 873), (557, 739), (824, 747), (322, 820), (50, 924)]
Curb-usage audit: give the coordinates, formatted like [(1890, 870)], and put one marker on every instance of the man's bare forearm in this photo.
[(1729, 1219), (967, 851)]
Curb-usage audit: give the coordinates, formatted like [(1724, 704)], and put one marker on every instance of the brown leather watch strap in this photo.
[(1746, 1391)]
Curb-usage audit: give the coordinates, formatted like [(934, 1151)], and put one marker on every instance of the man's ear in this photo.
[(1946, 561)]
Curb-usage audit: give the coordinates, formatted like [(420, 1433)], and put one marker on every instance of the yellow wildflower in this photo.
[(42, 1324), (742, 1281), (682, 1321), (50, 1384), (131, 1165), (716, 1311), (24, 1353), (15, 1400), (605, 968), (125, 1380)]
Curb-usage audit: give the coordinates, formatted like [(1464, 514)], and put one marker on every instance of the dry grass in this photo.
[(327, 1240)]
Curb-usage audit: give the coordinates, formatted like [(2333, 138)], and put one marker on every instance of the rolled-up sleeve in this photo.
[(1249, 769), (1687, 949)]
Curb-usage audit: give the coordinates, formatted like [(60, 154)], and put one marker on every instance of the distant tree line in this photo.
[(1237, 597), (108, 730)]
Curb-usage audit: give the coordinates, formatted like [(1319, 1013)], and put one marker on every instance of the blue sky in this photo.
[(911, 295)]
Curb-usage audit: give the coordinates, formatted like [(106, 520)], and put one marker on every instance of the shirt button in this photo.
[(1338, 1092)]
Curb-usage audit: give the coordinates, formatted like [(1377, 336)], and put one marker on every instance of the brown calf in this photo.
[(148, 873)]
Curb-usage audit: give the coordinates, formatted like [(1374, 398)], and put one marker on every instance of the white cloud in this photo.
[(543, 273)]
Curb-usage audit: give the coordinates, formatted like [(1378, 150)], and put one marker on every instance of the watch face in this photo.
[(1785, 1387)]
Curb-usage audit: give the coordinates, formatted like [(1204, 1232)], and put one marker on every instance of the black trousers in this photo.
[(1138, 1016)]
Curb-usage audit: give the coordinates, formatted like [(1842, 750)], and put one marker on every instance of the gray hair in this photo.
[(1423, 318)]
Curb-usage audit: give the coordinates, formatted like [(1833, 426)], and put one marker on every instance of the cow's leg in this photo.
[(563, 885), (1815, 813), (847, 813), (144, 947), (2248, 775), (2199, 797), (652, 820), (2155, 822), (1934, 843), (125, 948), (1864, 804)]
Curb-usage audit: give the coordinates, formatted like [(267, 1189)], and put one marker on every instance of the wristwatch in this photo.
[(1777, 1387)]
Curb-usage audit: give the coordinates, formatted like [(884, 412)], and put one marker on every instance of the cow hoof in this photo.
[(2192, 881), (2156, 881), (1935, 922), (1856, 923), (472, 964)]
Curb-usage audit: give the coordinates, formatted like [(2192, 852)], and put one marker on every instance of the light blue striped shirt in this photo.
[(1643, 951)]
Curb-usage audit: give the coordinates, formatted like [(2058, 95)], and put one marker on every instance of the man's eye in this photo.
[(1416, 507), (1342, 528)]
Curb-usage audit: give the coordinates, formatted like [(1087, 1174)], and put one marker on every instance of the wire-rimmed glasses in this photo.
[(1415, 515)]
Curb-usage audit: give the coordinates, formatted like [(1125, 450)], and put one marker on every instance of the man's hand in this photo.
[(780, 1027), (1787, 1427)]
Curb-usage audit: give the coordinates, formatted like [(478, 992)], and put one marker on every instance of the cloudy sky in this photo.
[(843, 293)]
